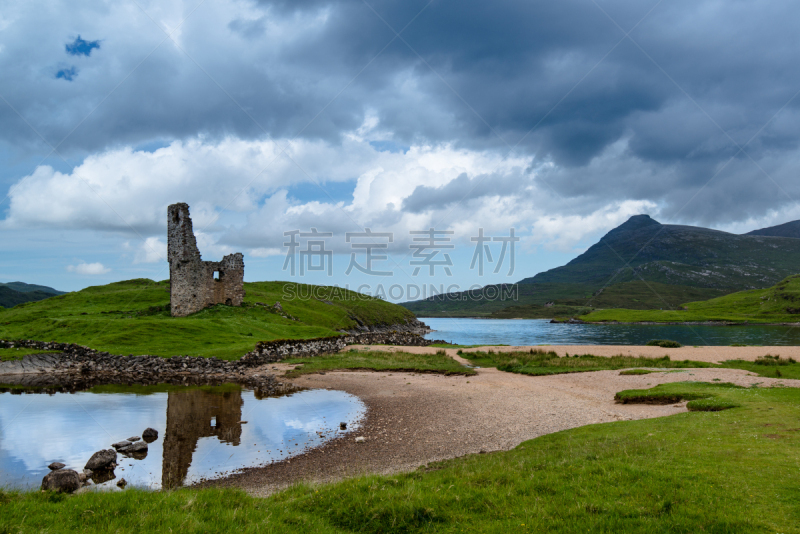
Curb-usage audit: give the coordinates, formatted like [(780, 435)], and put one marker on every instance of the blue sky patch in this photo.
[(67, 73), (79, 47), (389, 146), (325, 192)]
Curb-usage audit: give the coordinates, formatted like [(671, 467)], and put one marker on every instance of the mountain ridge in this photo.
[(672, 260)]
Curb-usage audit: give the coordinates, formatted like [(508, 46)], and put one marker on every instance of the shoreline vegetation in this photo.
[(539, 362), (600, 477), (776, 305)]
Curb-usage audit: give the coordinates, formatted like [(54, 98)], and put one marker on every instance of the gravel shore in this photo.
[(414, 418)]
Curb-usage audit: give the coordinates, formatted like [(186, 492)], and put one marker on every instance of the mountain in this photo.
[(790, 229), (14, 293), (22, 287), (645, 265), (644, 249)]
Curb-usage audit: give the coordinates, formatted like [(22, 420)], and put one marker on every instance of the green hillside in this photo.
[(641, 264), (22, 287), (14, 293), (132, 317), (568, 300), (777, 304)]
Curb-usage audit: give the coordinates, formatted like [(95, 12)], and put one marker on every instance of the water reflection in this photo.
[(194, 414), (203, 431)]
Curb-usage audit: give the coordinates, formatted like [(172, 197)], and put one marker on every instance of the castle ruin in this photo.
[(196, 284)]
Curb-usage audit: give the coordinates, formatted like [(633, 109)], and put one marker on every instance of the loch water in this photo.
[(543, 332), (204, 432)]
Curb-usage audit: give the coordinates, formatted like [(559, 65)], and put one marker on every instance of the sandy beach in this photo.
[(414, 418)]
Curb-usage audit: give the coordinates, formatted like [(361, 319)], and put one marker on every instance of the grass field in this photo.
[(132, 317), (379, 361), (539, 362), (17, 354), (727, 471), (777, 304)]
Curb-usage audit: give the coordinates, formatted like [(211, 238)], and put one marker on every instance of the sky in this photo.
[(557, 120)]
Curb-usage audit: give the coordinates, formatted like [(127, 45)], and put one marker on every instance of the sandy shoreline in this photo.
[(414, 419)]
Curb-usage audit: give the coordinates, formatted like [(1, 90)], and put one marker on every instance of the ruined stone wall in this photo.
[(192, 282), (275, 351)]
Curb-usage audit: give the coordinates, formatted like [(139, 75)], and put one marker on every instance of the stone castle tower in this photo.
[(196, 284)]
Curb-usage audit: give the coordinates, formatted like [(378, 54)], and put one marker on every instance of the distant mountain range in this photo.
[(14, 293), (643, 264)]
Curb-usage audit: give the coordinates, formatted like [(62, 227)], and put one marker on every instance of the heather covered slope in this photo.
[(132, 317)]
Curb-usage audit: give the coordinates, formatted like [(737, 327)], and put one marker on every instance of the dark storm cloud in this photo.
[(555, 79)]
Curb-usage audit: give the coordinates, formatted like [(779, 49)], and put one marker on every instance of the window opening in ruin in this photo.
[(217, 276)]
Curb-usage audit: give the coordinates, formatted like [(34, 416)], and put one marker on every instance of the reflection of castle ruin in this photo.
[(189, 417), (194, 283)]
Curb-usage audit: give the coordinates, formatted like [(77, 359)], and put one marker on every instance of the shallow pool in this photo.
[(204, 432)]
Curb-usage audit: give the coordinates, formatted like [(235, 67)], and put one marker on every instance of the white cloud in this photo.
[(88, 269), (121, 189), (265, 252), (152, 250)]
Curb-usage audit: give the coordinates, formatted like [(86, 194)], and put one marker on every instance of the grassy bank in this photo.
[(777, 304), (379, 361), (539, 362), (727, 471), (17, 354), (132, 317)]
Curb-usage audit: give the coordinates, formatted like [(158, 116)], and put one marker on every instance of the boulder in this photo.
[(134, 438), (122, 483), (150, 434), (62, 480), (137, 446), (121, 444), (102, 460), (55, 466)]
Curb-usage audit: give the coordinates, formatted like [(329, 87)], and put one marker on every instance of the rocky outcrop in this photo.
[(413, 326), (62, 480), (84, 365), (104, 459)]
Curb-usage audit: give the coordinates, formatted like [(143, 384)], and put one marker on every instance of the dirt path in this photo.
[(414, 419)]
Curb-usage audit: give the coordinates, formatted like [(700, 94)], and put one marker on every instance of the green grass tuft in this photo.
[(675, 392), (664, 343), (540, 362), (18, 354), (636, 372), (379, 361)]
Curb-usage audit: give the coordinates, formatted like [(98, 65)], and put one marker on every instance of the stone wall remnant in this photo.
[(196, 284)]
